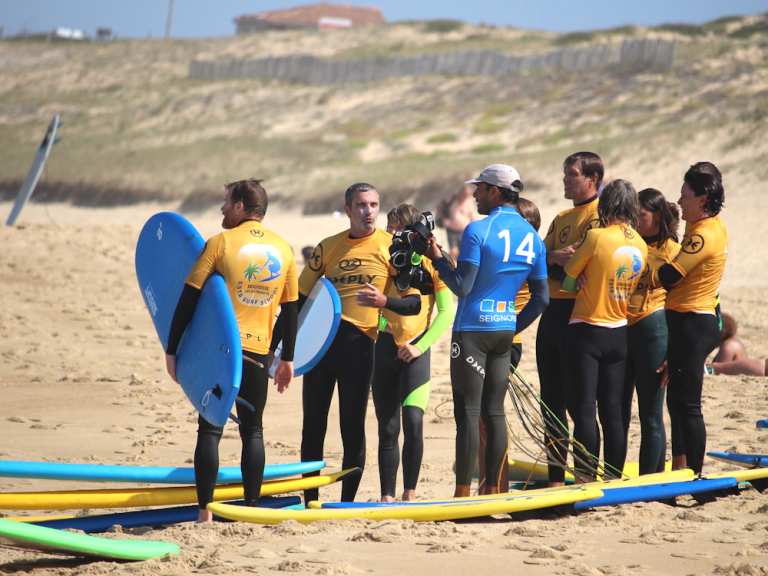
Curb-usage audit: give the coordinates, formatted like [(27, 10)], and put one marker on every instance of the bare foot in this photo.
[(409, 495), (204, 516), (387, 498), (556, 484)]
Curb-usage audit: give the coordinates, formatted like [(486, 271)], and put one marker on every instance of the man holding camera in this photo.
[(357, 262), (498, 254)]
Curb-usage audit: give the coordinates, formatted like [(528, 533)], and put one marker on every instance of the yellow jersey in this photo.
[(649, 296), (350, 263), (523, 296), (260, 272), (612, 259), (406, 328), (566, 229), (701, 261)]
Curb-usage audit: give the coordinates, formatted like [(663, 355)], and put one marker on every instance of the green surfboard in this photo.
[(19, 535)]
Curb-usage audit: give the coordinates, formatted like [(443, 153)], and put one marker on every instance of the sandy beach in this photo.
[(83, 380)]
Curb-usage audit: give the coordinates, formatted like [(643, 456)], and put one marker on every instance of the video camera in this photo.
[(405, 255)]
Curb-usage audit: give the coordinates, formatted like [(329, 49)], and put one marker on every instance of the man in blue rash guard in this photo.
[(497, 255)]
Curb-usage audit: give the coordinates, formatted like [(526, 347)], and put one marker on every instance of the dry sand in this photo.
[(83, 380)]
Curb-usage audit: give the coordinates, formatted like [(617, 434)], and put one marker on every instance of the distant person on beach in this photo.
[(306, 253), (732, 358), (268, 268), (454, 214)]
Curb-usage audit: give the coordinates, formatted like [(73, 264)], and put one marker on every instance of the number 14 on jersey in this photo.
[(525, 249)]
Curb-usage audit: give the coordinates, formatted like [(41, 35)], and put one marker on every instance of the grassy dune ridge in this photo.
[(136, 127)]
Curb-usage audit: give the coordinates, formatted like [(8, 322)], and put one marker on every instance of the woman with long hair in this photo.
[(692, 280), (612, 258), (647, 329)]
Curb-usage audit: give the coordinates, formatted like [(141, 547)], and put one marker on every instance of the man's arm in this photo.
[(539, 301), (459, 280), (185, 309), (409, 305)]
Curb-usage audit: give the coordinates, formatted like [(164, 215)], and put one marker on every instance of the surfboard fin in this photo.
[(759, 484), (235, 419)]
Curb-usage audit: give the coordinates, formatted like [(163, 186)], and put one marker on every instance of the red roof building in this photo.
[(310, 16)]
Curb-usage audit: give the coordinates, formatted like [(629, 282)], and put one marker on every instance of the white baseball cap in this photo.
[(499, 175)]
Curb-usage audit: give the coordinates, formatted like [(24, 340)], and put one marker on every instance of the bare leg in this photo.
[(679, 462), (556, 484), (749, 367)]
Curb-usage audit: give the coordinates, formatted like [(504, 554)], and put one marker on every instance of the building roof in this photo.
[(311, 14)]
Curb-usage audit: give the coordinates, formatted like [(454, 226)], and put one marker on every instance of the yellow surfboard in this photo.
[(520, 470), (661, 477), (122, 498), (454, 510)]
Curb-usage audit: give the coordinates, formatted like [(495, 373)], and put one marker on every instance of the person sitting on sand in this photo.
[(731, 348)]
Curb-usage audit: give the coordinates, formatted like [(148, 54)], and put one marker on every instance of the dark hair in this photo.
[(252, 194), (730, 327), (404, 214), (349, 195), (669, 216), (590, 164), (529, 211), (705, 179), (618, 202), (306, 252), (510, 196)]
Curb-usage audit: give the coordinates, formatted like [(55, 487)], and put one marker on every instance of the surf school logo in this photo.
[(693, 244), (261, 265), (628, 264), (564, 234), (594, 223), (257, 233), (351, 264), (455, 350), (316, 260)]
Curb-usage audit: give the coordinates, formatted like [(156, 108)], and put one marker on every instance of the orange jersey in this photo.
[(349, 264), (612, 259), (523, 296), (650, 295), (566, 229), (260, 272), (701, 261), (406, 328)]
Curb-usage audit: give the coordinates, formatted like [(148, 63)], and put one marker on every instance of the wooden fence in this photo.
[(313, 70)]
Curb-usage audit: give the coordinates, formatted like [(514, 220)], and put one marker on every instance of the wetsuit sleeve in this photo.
[(554, 271), (312, 272), (539, 301), (540, 268), (185, 309), (277, 333), (289, 321), (579, 260), (445, 314), (409, 305), (461, 279), (669, 276)]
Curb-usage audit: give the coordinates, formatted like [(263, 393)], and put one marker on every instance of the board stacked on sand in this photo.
[(454, 510), (127, 498), (141, 474), (156, 517), (748, 460), (20, 535)]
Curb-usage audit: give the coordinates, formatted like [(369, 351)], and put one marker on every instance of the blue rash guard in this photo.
[(507, 251)]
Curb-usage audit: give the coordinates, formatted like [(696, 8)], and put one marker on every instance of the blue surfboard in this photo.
[(762, 423), (318, 323), (141, 474), (654, 492), (209, 358), (747, 460), (155, 517)]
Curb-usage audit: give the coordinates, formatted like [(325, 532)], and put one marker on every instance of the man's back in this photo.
[(507, 250)]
